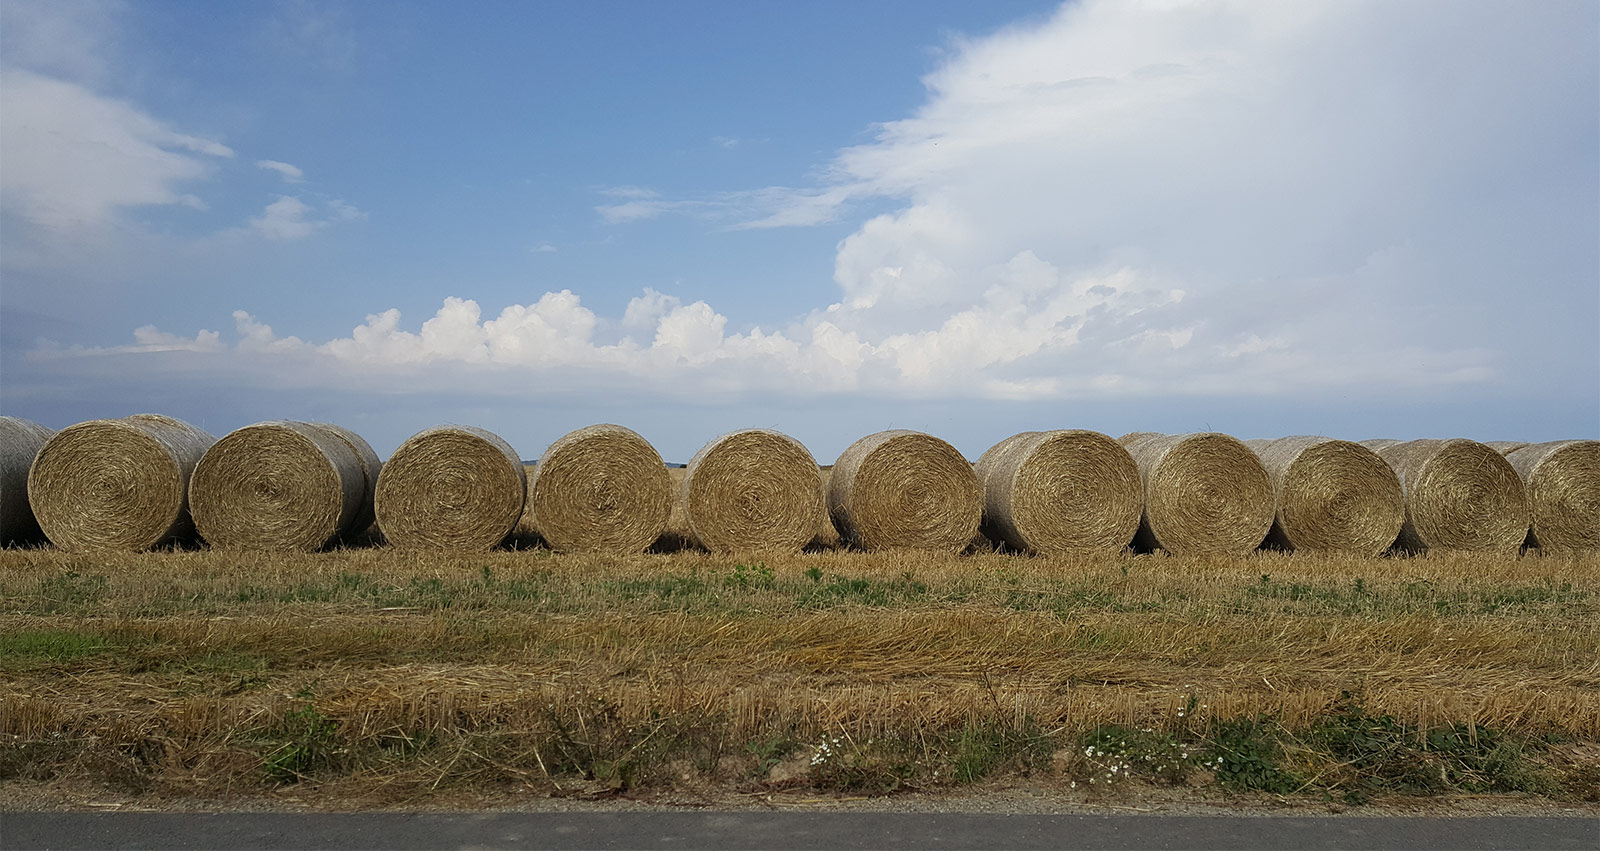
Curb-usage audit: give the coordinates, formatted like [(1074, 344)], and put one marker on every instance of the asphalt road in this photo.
[(714, 830)]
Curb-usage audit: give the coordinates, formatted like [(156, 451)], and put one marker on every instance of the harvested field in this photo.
[(404, 673)]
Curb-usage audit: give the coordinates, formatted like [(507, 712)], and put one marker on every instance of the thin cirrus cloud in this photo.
[(290, 173), (1126, 198)]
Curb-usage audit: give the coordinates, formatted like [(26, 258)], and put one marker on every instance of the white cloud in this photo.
[(1127, 198), (70, 39), (290, 173), (74, 158), (290, 218)]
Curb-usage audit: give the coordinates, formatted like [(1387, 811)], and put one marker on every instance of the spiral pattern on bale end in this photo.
[(753, 490), (601, 489), (1060, 492), (117, 484), (20, 442), (904, 489), (278, 486), (1563, 488), (1460, 495), (450, 487), (1204, 494), (1331, 495)]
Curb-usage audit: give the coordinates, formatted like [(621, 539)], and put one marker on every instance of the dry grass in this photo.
[(202, 670)]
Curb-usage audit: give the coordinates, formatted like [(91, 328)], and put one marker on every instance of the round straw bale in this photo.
[(1460, 495), (1204, 493), (1060, 492), (904, 489), (20, 442), (277, 485), (119, 484), (602, 488), (371, 468), (1563, 484), (1331, 495), (753, 489), (1133, 437), (450, 487), (1506, 447)]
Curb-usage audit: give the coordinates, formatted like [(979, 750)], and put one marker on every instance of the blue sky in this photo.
[(1357, 219)]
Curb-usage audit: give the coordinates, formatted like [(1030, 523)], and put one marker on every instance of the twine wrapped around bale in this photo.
[(119, 484), (1460, 495), (904, 489), (450, 487), (603, 489), (1506, 447), (20, 442), (1204, 494), (1060, 492), (280, 485), (751, 490), (1331, 495), (1563, 487)]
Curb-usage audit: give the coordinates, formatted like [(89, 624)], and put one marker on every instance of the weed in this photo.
[(1116, 752), (1245, 753), (981, 749), (746, 576), (303, 743)]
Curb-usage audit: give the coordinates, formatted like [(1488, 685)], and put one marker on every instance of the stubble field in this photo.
[(380, 676)]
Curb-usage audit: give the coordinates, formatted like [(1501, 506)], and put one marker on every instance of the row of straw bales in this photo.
[(140, 481)]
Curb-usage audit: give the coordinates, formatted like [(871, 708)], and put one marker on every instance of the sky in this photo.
[(1358, 219)]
